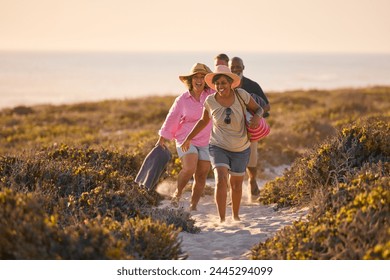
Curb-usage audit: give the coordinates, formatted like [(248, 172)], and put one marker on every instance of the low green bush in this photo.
[(178, 217), (345, 181), (81, 203), (328, 164), (27, 232), (350, 221)]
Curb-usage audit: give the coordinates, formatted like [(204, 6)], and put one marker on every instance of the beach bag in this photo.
[(254, 134)]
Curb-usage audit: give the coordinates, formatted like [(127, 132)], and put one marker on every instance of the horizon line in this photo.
[(188, 51)]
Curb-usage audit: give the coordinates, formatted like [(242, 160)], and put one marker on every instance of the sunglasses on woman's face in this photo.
[(227, 119)]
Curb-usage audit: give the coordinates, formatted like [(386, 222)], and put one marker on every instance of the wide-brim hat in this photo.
[(224, 70), (195, 69)]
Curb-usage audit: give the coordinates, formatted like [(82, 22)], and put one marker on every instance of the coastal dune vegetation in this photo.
[(67, 172)]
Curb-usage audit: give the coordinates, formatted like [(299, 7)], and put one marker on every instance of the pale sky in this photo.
[(202, 25)]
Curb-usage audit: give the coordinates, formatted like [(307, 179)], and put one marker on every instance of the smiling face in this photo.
[(198, 82), (222, 84), (237, 66)]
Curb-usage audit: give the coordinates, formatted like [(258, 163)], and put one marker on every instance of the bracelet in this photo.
[(259, 112)]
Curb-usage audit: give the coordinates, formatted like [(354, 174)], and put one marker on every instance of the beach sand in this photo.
[(231, 240)]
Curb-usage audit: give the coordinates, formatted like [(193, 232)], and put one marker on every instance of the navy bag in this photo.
[(259, 101), (153, 167)]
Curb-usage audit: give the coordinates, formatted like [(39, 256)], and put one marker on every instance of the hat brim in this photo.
[(209, 79), (184, 78)]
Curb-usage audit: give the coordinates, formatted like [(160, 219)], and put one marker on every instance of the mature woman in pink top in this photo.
[(182, 117)]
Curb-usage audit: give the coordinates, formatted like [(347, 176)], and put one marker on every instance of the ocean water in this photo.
[(62, 78)]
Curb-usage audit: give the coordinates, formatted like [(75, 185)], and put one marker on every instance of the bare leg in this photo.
[(200, 177), (221, 184), (236, 183), (189, 163), (252, 169), (252, 174)]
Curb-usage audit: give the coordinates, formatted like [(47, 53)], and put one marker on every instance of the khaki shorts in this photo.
[(201, 151), (253, 156)]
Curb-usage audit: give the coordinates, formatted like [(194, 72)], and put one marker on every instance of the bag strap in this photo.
[(243, 113), (241, 100)]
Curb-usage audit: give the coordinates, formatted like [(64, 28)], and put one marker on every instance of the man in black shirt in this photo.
[(237, 67)]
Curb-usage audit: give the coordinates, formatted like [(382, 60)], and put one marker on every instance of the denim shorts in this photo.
[(236, 162), (203, 152)]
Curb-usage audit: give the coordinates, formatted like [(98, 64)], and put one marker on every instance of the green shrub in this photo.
[(346, 183), (142, 239), (27, 232), (177, 217), (149, 240), (329, 163), (84, 182), (350, 221), (76, 189)]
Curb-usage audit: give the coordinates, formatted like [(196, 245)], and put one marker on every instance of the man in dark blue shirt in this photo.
[(237, 67)]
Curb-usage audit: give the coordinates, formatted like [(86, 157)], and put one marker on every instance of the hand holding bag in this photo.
[(254, 134)]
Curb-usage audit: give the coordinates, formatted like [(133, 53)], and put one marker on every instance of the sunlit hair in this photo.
[(216, 77), (188, 83), (222, 56)]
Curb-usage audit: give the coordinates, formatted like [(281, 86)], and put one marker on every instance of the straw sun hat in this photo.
[(222, 69), (196, 68)]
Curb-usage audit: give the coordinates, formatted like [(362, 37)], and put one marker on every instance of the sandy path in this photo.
[(232, 239)]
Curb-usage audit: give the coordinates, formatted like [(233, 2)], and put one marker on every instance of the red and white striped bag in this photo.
[(255, 134)]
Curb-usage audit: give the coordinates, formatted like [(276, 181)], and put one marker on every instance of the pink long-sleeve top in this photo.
[(182, 117)]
